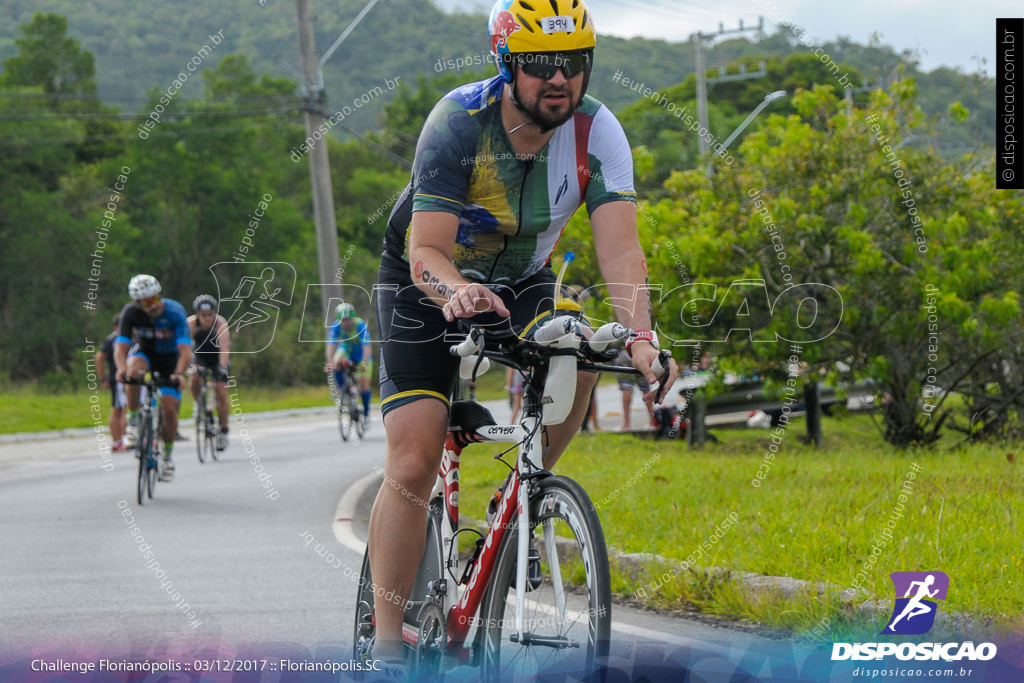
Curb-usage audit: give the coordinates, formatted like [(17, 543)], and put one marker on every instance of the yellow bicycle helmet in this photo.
[(518, 26)]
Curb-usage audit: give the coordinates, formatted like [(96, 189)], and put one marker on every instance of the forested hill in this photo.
[(141, 46)]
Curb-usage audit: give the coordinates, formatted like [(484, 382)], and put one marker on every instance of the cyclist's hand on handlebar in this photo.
[(470, 299), (644, 357)]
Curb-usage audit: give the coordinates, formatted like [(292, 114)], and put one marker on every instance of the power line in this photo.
[(180, 132), (136, 117)]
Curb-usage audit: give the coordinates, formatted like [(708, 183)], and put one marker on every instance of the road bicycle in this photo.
[(351, 420), (207, 427), (150, 436), (535, 596)]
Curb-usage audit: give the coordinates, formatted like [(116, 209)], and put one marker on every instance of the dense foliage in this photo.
[(901, 278), (873, 256)]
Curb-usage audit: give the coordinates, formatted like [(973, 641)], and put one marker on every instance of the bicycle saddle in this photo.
[(465, 418)]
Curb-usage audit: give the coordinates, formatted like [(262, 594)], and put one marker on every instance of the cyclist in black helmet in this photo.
[(211, 342)]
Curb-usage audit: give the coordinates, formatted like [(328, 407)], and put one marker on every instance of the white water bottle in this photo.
[(560, 385)]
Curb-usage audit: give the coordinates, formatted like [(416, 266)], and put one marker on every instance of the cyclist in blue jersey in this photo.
[(501, 165), (348, 339), (153, 335)]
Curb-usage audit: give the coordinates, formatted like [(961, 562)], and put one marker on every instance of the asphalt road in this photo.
[(224, 564)]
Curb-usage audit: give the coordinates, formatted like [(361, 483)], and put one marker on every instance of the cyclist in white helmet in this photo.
[(153, 335)]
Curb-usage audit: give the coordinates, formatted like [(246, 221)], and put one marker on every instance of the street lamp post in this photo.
[(319, 169), (768, 99)]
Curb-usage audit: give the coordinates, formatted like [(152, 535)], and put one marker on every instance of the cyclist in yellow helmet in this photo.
[(500, 167)]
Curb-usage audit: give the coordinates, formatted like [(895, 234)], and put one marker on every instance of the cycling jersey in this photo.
[(155, 336), (350, 343), (206, 341), (511, 210)]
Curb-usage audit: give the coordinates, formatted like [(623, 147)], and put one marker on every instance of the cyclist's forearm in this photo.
[(121, 356), (434, 274), (631, 299), (622, 263), (184, 358)]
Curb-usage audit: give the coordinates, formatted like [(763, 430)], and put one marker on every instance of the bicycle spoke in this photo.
[(566, 617)]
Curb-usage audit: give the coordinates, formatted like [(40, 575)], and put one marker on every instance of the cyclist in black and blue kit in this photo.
[(153, 335), (212, 345)]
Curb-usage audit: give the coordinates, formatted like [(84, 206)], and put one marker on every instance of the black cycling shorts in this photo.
[(415, 337), (163, 363)]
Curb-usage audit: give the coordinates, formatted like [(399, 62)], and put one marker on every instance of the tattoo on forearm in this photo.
[(442, 288)]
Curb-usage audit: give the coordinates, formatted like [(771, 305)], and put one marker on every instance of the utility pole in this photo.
[(315, 101), (703, 81)]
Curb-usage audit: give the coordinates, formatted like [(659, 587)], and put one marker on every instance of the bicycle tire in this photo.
[(358, 419), (153, 461), (364, 630), (345, 416), (212, 429), (200, 410), (143, 457), (574, 640), (430, 569)]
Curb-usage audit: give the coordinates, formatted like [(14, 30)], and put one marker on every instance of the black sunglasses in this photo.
[(546, 64)]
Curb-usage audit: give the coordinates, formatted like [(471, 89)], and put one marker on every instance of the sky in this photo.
[(950, 33)]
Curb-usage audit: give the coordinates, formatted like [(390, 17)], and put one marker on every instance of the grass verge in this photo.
[(831, 516), (28, 408)]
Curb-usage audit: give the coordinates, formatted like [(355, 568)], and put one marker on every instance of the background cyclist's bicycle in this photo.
[(150, 436), (207, 427), (351, 420)]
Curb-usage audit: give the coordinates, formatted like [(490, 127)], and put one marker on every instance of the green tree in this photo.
[(49, 58), (871, 232), (45, 226)]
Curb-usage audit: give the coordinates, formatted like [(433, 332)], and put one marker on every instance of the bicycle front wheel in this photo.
[(345, 424), (212, 430), (142, 453), (358, 419), (152, 460), (200, 410), (566, 618)]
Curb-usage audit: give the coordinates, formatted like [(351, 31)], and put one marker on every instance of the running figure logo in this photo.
[(914, 613), (251, 297)]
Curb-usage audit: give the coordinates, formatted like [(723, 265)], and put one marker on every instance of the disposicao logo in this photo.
[(914, 614)]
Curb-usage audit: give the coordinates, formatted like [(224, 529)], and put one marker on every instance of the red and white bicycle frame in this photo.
[(461, 604)]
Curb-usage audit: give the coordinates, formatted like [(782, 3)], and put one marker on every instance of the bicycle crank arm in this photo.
[(554, 642)]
